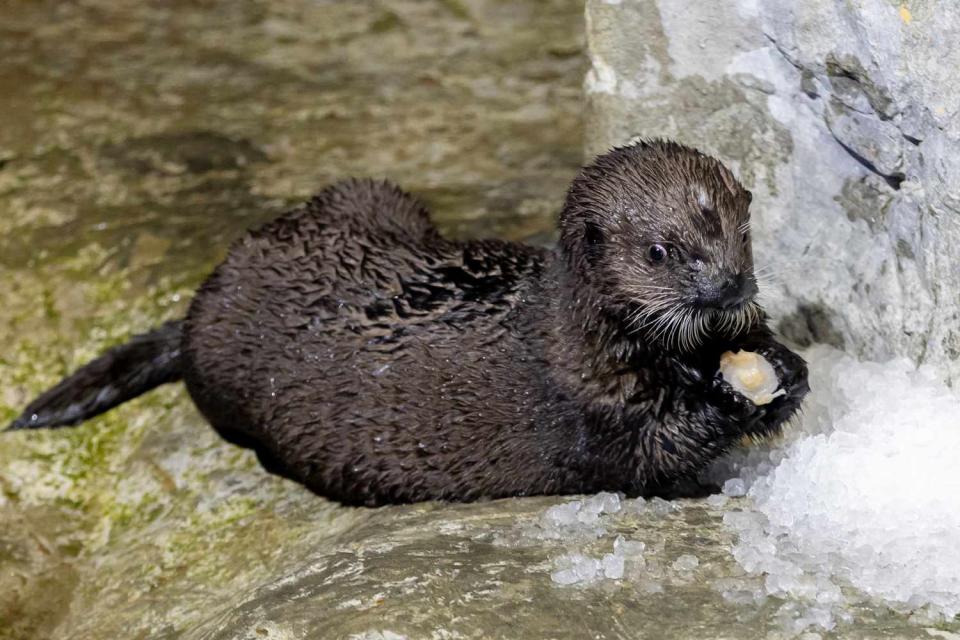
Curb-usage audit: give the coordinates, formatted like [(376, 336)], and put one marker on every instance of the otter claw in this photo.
[(729, 401), (791, 371), (790, 368)]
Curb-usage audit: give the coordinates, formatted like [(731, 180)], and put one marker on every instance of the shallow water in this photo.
[(139, 138)]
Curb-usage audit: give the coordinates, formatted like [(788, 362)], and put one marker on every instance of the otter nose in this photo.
[(728, 291)]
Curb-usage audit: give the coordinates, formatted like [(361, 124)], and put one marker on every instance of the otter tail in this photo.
[(122, 373)]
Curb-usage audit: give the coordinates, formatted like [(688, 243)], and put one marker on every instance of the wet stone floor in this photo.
[(139, 138)]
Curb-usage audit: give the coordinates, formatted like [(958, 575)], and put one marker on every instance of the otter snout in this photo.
[(726, 291)]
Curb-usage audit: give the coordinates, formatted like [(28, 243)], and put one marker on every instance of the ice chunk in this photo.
[(635, 505), (734, 488), (576, 568), (622, 547), (612, 566), (594, 506), (717, 501), (865, 492), (662, 507), (562, 514), (609, 502)]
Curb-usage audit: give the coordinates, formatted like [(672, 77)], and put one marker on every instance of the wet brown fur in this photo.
[(362, 354)]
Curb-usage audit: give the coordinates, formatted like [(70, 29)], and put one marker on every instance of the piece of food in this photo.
[(751, 375)]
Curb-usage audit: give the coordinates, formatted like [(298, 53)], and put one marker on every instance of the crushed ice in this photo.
[(864, 493), (579, 525), (577, 568)]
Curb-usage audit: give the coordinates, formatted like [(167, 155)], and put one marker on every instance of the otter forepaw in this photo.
[(730, 402), (791, 370)]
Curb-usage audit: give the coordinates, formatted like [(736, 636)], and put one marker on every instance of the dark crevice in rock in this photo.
[(894, 180), (914, 141), (810, 324), (849, 78), (808, 84), (782, 52)]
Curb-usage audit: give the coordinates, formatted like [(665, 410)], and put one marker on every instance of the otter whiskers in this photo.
[(671, 322)]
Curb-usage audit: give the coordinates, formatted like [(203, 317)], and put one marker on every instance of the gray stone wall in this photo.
[(842, 118)]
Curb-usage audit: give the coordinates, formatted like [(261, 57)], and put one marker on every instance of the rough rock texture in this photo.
[(841, 117)]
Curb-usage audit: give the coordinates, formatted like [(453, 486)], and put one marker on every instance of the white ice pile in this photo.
[(864, 494)]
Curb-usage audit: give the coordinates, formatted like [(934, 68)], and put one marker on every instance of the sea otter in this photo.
[(363, 355)]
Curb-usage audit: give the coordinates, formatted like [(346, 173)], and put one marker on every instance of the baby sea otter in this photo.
[(362, 354)]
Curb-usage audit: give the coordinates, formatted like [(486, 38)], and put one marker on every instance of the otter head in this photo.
[(659, 234)]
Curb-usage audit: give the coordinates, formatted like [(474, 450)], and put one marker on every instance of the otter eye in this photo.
[(657, 253)]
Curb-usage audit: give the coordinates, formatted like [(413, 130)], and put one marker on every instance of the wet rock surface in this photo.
[(842, 120)]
